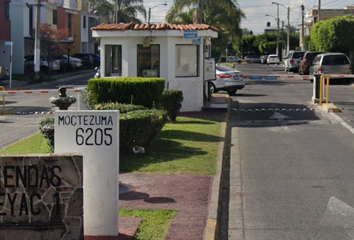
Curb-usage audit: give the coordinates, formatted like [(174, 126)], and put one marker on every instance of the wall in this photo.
[(41, 196)]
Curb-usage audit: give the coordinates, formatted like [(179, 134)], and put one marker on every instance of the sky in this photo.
[(256, 10)]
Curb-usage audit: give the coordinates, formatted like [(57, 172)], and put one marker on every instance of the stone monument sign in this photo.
[(41, 196)]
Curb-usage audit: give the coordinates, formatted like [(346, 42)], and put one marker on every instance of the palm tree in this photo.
[(127, 10), (224, 14)]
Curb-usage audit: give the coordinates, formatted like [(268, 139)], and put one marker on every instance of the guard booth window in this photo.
[(186, 61), (113, 66), (148, 61)]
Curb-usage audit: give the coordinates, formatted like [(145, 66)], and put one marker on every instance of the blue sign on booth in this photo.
[(190, 34), (256, 77)]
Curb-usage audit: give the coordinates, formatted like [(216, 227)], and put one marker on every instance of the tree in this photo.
[(127, 10), (51, 42), (224, 14)]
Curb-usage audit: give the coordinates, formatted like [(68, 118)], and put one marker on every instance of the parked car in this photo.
[(86, 58), (306, 62), (233, 59), (273, 59), (74, 62), (252, 59), (263, 59), (54, 64), (4, 73), (96, 59), (291, 62), (227, 79), (331, 63)]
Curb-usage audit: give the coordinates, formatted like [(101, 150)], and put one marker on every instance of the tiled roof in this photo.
[(163, 26)]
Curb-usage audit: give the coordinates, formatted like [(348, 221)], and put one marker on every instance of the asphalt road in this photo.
[(25, 111), (291, 163)]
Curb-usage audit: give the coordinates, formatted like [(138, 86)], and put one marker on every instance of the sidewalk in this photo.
[(196, 198)]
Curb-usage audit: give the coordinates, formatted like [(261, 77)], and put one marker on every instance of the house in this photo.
[(5, 33), (71, 14), (313, 17), (174, 52)]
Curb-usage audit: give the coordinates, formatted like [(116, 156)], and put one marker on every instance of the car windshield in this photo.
[(335, 60), (224, 68), (298, 54), (273, 56)]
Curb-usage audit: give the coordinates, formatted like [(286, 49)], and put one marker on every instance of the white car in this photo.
[(273, 59), (227, 79), (54, 64), (74, 62), (231, 59)]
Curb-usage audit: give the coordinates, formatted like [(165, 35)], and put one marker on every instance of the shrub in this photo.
[(145, 91), (171, 102), (123, 108), (140, 128), (46, 127)]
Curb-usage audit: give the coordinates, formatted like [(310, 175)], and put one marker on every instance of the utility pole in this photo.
[(302, 27), (282, 42), (278, 30), (319, 10), (201, 15), (288, 38), (37, 41)]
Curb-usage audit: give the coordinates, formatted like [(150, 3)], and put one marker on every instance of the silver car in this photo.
[(227, 79), (331, 63)]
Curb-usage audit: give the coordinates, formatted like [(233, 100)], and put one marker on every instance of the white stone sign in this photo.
[(94, 134)]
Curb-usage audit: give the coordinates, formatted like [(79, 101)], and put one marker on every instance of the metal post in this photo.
[(319, 10)]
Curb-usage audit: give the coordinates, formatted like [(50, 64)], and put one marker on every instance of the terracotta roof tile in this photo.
[(144, 26)]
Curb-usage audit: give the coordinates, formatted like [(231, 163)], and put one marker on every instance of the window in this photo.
[(7, 10), (113, 66), (149, 61), (84, 22), (186, 61), (54, 17)]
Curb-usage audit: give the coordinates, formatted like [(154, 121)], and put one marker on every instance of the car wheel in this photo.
[(231, 92), (248, 61), (212, 88)]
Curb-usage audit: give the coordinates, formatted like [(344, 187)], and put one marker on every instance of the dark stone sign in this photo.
[(41, 197)]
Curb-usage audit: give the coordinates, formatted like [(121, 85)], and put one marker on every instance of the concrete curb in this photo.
[(212, 227)]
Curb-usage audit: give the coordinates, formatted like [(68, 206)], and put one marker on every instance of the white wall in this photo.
[(192, 87)]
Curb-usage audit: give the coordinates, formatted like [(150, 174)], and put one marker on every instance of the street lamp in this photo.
[(165, 4), (288, 32)]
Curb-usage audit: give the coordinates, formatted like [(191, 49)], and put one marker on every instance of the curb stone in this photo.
[(212, 226)]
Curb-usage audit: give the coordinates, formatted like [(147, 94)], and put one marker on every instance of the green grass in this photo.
[(154, 224), (189, 146), (34, 144)]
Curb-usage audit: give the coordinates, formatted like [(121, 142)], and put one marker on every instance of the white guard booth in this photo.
[(174, 52)]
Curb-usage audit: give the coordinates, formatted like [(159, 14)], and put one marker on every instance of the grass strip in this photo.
[(155, 223)]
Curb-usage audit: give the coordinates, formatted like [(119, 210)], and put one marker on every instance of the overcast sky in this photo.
[(256, 10)]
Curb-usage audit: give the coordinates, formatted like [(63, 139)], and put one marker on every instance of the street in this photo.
[(25, 111), (291, 168)]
